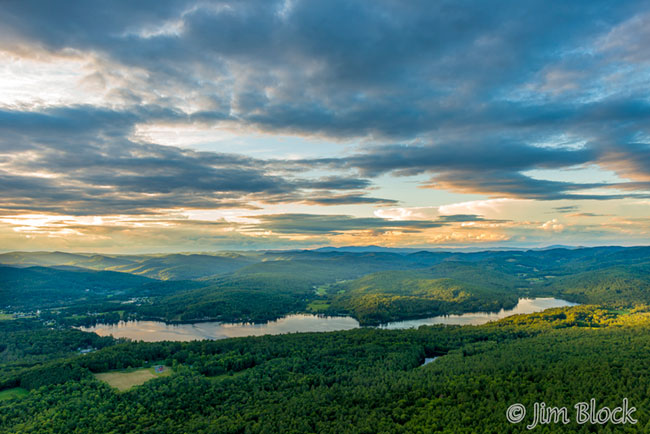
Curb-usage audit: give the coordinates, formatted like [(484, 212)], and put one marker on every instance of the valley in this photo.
[(371, 287)]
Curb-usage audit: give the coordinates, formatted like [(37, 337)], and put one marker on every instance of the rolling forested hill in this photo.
[(39, 287), (182, 267), (450, 287), (373, 286)]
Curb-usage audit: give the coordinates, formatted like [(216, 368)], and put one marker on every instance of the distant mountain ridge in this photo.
[(372, 248), (183, 266), (162, 267)]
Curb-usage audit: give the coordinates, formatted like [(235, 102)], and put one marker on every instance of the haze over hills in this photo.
[(95, 260), (438, 249), (155, 263), (162, 267)]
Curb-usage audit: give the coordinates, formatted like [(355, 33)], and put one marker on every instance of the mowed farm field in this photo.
[(126, 379)]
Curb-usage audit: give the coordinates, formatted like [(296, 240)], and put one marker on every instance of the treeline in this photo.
[(26, 343)]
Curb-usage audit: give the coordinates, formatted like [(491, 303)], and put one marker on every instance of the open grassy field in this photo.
[(128, 378), (6, 316), (16, 392)]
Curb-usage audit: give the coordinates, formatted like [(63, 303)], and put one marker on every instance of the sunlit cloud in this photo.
[(33, 82), (206, 125), (552, 225)]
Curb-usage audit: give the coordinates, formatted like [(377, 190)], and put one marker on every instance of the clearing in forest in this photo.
[(16, 392), (128, 378)]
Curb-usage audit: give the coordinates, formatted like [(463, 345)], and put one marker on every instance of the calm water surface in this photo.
[(153, 331), (524, 305)]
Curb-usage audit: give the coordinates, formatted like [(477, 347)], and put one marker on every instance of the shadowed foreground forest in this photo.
[(358, 381)]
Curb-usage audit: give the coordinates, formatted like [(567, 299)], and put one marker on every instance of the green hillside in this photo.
[(161, 267), (39, 287), (184, 267), (619, 285), (49, 259), (285, 284), (443, 289), (242, 297)]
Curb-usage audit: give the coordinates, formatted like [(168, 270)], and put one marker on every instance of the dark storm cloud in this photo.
[(478, 92)]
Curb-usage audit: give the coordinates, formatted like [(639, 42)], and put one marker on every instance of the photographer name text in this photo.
[(584, 412)]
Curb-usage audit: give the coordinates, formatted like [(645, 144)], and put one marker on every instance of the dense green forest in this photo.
[(359, 381), (42, 287), (373, 287), (450, 287)]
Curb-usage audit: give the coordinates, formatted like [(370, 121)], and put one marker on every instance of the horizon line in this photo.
[(466, 249)]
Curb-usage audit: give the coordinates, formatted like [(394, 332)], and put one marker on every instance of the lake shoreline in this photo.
[(331, 314), (153, 331), (302, 312)]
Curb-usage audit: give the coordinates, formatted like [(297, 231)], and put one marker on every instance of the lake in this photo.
[(154, 331), (524, 305)]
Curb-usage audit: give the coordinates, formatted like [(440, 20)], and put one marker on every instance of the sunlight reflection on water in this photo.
[(154, 331)]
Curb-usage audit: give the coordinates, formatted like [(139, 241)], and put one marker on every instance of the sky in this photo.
[(161, 126)]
